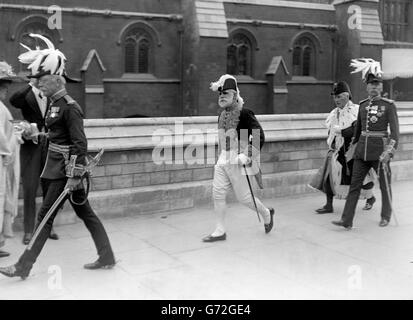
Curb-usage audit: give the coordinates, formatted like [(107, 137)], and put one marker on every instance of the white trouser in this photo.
[(225, 176)]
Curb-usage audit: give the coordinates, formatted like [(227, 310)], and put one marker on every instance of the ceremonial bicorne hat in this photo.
[(370, 69), (225, 82), (46, 61)]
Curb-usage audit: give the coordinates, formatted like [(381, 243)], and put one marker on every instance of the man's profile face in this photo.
[(374, 88), (226, 98), (341, 99), (48, 85)]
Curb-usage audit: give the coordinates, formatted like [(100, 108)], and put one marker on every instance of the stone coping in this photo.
[(146, 133)]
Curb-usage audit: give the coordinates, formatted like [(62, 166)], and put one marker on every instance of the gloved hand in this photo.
[(336, 129), (385, 156), (8, 159), (243, 159), (73, 184)]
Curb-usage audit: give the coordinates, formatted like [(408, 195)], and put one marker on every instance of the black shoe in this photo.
[(369, 203), (341, 223), (212, 238), (26, 238), (4, 254), (53, 235), (13, 271), (384, 223), (99, 265), (325, 210), (269, 226)]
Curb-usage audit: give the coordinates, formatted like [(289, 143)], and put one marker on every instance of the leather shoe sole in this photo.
[(269, 226), (53, 236), (341, 224), (369, 203), (99, 265), (12, 271), (384, 223), (324, 210), (212, 238)]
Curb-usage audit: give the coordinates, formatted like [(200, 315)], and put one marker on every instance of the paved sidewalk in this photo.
[(161, 256)]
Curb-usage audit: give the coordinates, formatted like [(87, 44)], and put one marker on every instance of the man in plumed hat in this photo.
[(65, 163), (240, 138), (376, 137), (337, 168)]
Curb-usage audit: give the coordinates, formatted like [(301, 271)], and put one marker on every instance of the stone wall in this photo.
[(128, 182)]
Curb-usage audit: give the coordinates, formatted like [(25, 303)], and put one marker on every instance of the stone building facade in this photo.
[(156, 58)]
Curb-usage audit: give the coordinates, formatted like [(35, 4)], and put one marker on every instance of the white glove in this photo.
[(243, 159), (8, 160), (73, 184), (336, 129)]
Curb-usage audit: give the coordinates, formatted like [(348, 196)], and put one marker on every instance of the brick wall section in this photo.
[(132, 169)]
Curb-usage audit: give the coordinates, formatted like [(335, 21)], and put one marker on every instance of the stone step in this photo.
[(169, 197)]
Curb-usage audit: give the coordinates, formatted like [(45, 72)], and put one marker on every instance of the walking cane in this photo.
[(385, 170), (252, 193)]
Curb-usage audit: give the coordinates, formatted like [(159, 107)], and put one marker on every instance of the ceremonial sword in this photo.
[(86, 173)]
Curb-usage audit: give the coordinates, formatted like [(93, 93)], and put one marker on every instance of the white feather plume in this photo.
[(49, 44), (366, 66), (51, 59), (54, 62), (29, 56), (214, 86)]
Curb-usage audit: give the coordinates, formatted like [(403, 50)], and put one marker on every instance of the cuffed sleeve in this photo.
[(394, 124), (74, 121)]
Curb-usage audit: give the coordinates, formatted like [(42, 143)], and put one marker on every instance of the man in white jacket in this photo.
[(338, 168)]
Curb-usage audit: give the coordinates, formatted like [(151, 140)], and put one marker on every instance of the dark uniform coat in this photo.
[(25, 100), (244, 121), (375, 116), (64, 121), (235, 127), (32, 155)]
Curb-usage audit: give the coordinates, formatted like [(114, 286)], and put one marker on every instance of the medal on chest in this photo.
[(54, 112), (373, 119), (381, 111)]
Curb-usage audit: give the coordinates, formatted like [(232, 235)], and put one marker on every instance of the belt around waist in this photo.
[(374, 133), (59, 148)]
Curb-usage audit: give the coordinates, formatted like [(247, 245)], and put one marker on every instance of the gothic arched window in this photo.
[(239, 55), (137, 49), (304, 57)]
